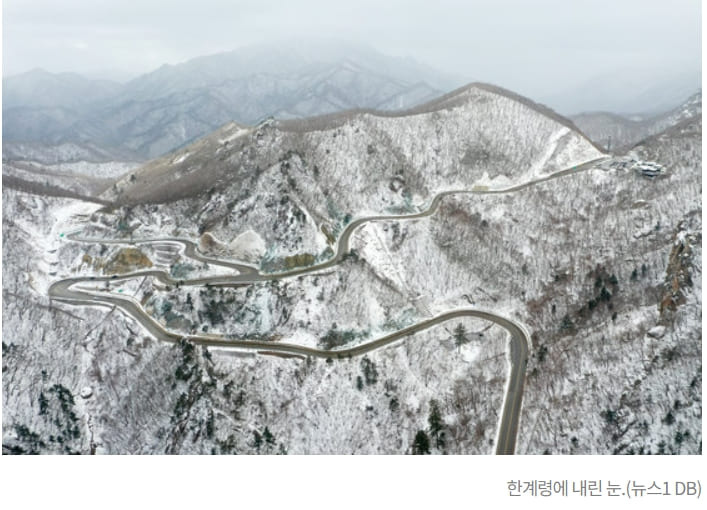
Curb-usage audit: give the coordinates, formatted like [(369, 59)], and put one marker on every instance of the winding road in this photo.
[(75, 292)]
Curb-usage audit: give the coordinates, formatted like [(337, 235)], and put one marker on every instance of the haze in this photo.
[(534, 48)]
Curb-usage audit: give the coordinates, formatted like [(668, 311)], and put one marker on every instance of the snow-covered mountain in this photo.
[(41, 89), (476, 133), (629, 91), (172, 105), (624, 131), (602, 265), (351, 163)]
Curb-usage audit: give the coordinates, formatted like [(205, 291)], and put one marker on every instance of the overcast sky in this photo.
[(539, 41)]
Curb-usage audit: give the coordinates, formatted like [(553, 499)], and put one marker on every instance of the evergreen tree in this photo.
[(370, 372), (605, 295), (359, 382), (43, 404), (566, 323), (435, 422), (421, 445), (460, 337), (269, 438)]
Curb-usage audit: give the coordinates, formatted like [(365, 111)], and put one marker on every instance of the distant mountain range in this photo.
[(645, 92), (606, 128), (164, 109), (55, 118)]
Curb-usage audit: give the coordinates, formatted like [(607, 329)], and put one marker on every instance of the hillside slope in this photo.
[(624, 132), (602, 265), (317, 174)]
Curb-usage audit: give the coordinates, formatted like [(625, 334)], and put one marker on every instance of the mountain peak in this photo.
[(476, 133)]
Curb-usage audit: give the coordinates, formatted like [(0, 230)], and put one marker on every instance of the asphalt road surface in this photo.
[(75, 291)]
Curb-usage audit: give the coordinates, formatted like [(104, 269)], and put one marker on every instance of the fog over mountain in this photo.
[(624, 57), (639, 91), (617, 132), (159, 111), (67, 117), (473, 228)]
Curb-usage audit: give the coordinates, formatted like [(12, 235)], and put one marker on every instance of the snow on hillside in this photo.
[(109, 169), (621, 132), (602, 266), (316, 175), (55, 353)]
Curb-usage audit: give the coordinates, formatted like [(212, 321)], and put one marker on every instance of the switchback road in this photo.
[(72, 291)]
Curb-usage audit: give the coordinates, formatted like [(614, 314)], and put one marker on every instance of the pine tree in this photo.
[(269, 438), (370, 372), (421, 445), (460, 337), (605, 295), (566, 323), (359, 382), (435, 422)]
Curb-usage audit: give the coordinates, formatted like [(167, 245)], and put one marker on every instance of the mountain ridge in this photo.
[(625, 132), (324, 170), (448, 100), (161, 110)]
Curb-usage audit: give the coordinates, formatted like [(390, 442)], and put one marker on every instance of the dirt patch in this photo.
[(126, 260)]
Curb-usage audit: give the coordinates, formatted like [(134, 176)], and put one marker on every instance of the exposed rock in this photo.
[(677, 274)]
